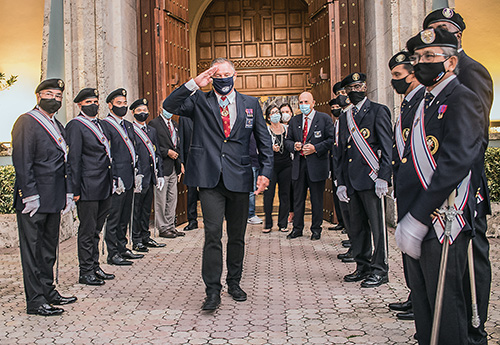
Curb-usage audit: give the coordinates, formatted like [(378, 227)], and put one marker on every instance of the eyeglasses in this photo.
[(52, 95), (354, 87), (425, 58)]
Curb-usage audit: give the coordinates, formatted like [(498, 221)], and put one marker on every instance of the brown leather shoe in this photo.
[(168, 234), (179, 233)]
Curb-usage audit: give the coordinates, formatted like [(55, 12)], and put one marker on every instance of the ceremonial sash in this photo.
[(124, 136), (363, 146), (49, 126), (425, 166), (400, 142), (336, 127), (147, 142), (97, 132)]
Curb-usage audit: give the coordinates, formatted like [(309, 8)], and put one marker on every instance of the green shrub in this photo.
[(7, 178), (492, 167)]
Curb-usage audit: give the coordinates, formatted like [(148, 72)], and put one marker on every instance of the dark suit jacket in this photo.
[(459, 133), (186, 133), (165, 143), (39, 164), (91, 175), (353, 171), (122, 164), (212, 155), (321, 135), (146, 159)]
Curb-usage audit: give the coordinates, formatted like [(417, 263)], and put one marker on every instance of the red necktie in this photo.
[(304, 133), (170, 129), (226, 122)]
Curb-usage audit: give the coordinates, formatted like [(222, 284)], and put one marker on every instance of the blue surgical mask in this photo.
[(305, 108), (275, 118), (166, 114), (223, 86)]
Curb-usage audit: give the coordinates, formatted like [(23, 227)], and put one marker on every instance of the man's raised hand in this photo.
[(204, 78)]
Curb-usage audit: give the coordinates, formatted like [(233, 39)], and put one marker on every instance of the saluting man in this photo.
[(92, 180), (445, 139), (42, 191)]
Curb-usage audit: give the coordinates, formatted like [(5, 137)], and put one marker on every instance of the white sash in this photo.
[(49, 126), (425, 166), (97, 132), (336, 128), (400, 141), (124, 136), (363, 146), (147, 142)]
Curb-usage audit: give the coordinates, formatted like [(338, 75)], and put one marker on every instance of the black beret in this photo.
[(55, 83), (337, 87), (86, 93), (432, 38), (116, 93), (333, 101), (403, 57), (138, 103), (353, 78), (445, 15)]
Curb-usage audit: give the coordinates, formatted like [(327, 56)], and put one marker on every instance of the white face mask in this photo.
[(285, 117)]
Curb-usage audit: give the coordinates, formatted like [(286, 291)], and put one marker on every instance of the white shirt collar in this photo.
[(118, 119), (413, 92), (231, 96), (360, 104)]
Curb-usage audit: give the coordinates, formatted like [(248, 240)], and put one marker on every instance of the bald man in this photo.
[(310, 137)]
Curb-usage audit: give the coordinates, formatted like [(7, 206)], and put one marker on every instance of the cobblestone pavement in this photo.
[(295, 287)]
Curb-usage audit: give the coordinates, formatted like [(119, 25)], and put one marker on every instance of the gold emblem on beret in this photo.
[(432, 143), (96, 92), (400, 58), (124, 92), (406, 132), (355, 77), (60, 83), (448, 12), (365, 132), (428, 36), (144, 101)]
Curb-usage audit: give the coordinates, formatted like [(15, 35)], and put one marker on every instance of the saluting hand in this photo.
[(262, 183), (204, 78)]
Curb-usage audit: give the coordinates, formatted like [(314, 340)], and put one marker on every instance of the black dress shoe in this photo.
[(129, 255), (407, 315), (119, 261), (374, 280), (347, 254), (153, 244), (346, 244), (293, 234), (191, 226), (61, 300), (356, 276), (139, 247), (90, 279), (315, 236), (99, 273), (46, 310), (212, 301), (348, 260), (237, 293), (336, 227), (401, 306)]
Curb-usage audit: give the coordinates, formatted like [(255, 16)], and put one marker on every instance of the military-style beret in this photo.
[(445, 15), (333, 101), (138, 103), (432, 38), (353, 78), (86, 93), (55, 83), (403, 57), (337, 87), (116, 93)]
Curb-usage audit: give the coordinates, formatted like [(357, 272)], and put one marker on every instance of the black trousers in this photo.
[(338, 211), (92, 215), (216, 204), (38, 240), (316, 190), (192, 204), (282, 175), (406, 273), (142, 211), (482, 273), (365, 212), (424, 274), (118, 220)]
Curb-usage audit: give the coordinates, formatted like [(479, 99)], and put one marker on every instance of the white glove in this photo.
[(31, 207), (138, 183), (381, 187), (161, 183), (409, 236), (120, 188), (70, 204), (342, 194)]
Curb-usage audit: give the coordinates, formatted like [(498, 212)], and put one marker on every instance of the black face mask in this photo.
[(429, 73), (336, 112), (356, 96), (141, 117), (90, 110), (223, 86), (119, 111), (50, 105), (400, 85), (343, 101)]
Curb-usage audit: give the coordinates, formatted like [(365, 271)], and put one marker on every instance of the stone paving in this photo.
[(295, 287)]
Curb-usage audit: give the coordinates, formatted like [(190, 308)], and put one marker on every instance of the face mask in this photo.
[(400, 85), (286, 117), (223, 86), (343, 101), (429, 73), (275, 118), (166, 114), (141, 117), (356, 96), (119, 111), (336, 112), (305, 108), (90, 110), (50, 105)]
